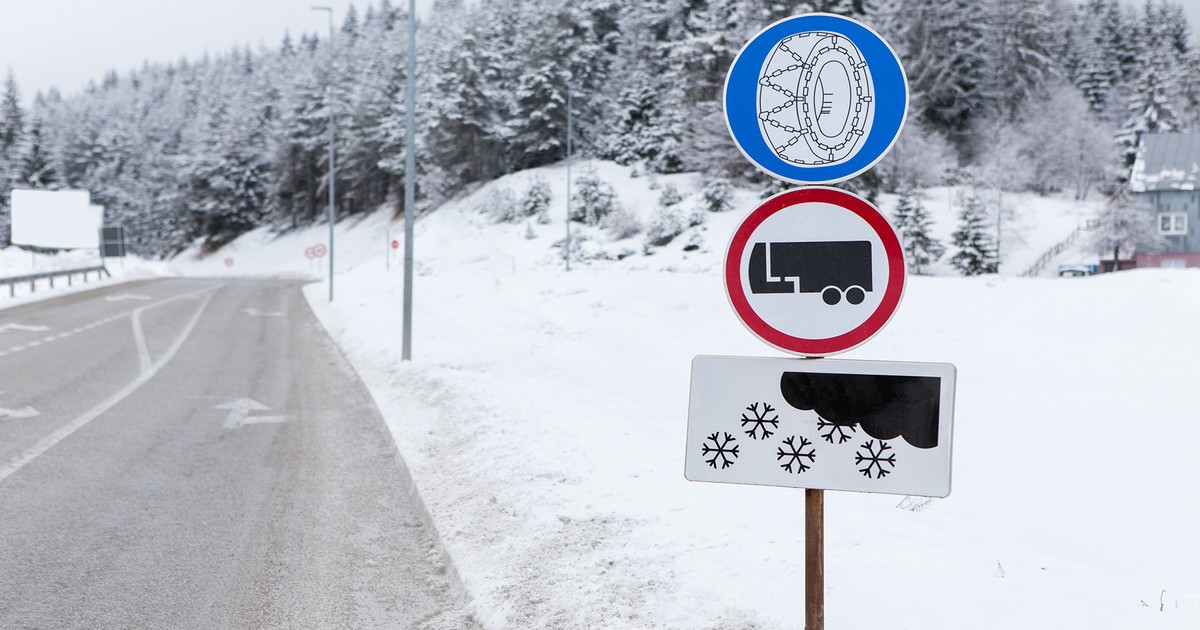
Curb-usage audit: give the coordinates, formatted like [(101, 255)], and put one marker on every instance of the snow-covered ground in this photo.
[(544, 414), (17, 262)]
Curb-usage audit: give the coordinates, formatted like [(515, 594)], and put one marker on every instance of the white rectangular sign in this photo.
[(55, 219), (860, 426)]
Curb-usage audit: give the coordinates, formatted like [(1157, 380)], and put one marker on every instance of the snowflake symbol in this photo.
[(720, 450), (875, 459), (760, 420), (794, 454), (838, 430)]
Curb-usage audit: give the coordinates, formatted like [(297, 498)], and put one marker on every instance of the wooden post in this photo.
[(814, 559)]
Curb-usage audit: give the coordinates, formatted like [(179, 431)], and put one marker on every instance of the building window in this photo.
[(1172, 223), (1172, 263)]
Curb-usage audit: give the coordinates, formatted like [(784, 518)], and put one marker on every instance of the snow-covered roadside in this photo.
[(17, 262), (543, 422)]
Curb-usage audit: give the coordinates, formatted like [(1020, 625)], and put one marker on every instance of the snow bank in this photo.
[(15, 261), (544, 417)]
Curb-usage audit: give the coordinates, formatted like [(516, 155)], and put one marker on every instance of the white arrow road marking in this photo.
[(239, 413), (23, 412), (264, 420), (126, 296), (253, 312), (8, 327)]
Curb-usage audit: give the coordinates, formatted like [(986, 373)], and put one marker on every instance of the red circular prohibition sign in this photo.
[(824, 346)]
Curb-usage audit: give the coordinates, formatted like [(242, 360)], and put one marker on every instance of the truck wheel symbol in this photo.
[(855, 295), (831, 295), (832, 268)]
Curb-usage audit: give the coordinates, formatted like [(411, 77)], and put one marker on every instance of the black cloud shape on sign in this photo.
[(883, 406)]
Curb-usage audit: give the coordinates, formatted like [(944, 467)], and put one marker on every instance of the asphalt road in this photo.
[(197, 454)]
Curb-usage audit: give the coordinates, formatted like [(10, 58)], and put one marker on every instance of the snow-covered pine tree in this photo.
[(377, 68), (34, 168), (1190, 93), (913, 223), (300, 137), (466, 80), (1094, 67), (1154, 88), (943, 44), (717, 196), (12, 131), (976, 249), (592, 198), (536, 200), (1019, 39)]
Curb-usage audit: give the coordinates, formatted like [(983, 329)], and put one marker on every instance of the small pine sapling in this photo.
[(976, 248), (592, 199), (913, 224), (717, 196), (536, 201)]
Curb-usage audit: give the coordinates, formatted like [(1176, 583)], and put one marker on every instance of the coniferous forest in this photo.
[(1041, 95)]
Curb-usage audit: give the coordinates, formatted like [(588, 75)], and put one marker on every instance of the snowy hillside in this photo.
[(543, 421)]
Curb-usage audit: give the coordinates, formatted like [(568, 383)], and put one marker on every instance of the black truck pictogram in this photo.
[(831, 268)]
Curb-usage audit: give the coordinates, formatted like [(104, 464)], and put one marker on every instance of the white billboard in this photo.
[(55, 219)]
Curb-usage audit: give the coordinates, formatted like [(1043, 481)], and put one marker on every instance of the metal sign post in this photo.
[(410, 179)]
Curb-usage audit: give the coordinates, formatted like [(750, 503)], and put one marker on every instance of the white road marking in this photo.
[(66, 430), (23, 412), (264, 420), (8, 327), (143, 353), (239, 413), (253, 312), (126, 296), (139, 339)]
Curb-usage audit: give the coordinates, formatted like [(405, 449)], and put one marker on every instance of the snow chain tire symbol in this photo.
[(815, 99)]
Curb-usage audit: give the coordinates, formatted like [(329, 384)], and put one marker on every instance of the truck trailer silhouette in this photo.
[(831, 268)]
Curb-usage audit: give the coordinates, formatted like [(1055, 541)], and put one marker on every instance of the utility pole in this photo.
[(332, 167), (567, 247), (410, 177)]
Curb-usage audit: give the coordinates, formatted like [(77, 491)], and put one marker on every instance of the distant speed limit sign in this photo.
[(319, 250)]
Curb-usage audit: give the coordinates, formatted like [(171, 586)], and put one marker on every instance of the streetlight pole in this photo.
[(332, 167), (570, 134), (410, 177)]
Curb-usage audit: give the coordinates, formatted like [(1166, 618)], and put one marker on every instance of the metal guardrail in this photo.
[(32, 278)]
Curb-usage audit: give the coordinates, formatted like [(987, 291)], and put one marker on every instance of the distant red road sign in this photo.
[(310, 253), (319, 250), (815, 271), (395, 244), (228, 262)]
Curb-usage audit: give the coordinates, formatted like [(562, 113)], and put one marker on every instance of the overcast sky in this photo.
[(66, 43)]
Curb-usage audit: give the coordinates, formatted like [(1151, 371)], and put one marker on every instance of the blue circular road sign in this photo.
[(816, 99)]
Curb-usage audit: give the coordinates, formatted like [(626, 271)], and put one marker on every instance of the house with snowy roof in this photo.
[(1167, 175)]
